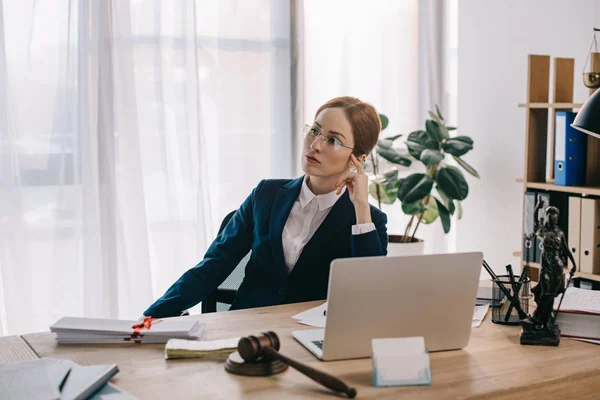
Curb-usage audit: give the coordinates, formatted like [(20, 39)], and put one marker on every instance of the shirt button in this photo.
[(282, 291)]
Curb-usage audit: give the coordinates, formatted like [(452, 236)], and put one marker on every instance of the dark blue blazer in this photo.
[(258, 225)]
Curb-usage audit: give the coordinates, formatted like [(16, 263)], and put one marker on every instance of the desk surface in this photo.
[(493, 365)]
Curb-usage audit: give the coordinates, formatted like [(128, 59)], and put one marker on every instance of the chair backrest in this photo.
[(222, 298)]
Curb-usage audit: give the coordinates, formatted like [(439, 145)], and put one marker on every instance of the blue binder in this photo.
[(570, 150)]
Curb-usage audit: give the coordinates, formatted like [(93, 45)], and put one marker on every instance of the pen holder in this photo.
[(503, 312)]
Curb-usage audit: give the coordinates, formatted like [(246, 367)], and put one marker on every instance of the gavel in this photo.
[(265, 347)]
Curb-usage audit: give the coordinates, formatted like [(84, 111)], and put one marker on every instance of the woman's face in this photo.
[(328, 144)]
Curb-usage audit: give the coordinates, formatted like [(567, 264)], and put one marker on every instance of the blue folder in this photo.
[(570, 150)]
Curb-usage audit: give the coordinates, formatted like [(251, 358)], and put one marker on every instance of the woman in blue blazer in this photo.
[(295, 228)]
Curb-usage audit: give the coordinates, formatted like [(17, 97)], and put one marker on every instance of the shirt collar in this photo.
[(325, 201)]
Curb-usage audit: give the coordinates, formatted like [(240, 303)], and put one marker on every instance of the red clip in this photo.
[(147, 323)]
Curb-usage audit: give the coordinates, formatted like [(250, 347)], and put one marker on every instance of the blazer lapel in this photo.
[(282, 206), (341, 215)]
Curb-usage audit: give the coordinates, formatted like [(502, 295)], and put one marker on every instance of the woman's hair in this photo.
[(363, 118)]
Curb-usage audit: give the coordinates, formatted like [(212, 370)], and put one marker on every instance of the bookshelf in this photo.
[(539, 135)]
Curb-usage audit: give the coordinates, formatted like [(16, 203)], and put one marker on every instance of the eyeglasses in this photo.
[(330, 142)]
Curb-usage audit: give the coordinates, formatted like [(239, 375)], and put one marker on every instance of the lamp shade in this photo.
[(588, 118)]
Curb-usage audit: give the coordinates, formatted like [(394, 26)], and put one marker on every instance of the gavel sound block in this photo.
[(259, 356)]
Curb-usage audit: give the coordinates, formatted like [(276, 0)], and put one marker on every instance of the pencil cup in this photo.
[(503, 311)]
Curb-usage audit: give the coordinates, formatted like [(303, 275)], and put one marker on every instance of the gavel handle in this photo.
[(321, 377)]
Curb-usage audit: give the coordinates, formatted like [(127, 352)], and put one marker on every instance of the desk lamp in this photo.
[(588, 117)]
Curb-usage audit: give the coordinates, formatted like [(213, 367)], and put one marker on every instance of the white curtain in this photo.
[(128, 129), (391, 53)]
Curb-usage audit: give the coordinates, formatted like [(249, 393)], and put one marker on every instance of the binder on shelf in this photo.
[(590, 236), (574, 233), (570, 151), (529, 202)]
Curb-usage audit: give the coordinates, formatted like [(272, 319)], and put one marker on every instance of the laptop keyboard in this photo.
[(318, 343)]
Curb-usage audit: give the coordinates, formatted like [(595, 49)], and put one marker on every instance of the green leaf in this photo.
[(444, 216), (431, 157), (384, 121), (452, 182), (394, 157), (459, 210), (392, 138), (415, 208), (386, 144), (451, 128), (387, 194), (432, 211), (418, 141), (459, 145), (439, 113), (447, 201), (435, 130), (391, 175), (435, 117), (466, 166), (414, 187)]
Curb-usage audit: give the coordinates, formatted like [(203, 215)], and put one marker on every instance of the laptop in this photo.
[(385, 297)]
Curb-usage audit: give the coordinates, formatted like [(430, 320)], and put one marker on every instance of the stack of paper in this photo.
[(179, 348), (99, 330), (400, 362), (316, 316), (50, 378)]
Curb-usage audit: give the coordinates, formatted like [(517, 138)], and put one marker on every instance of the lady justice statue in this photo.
[(540, 328)]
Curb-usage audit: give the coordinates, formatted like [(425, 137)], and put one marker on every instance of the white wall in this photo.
[(494, 39)]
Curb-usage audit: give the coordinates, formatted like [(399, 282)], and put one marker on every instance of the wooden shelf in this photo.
[(583, 190), (594, 277), (566, 106)]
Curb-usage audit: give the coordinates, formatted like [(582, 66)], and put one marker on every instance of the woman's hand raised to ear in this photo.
[(358, 189)]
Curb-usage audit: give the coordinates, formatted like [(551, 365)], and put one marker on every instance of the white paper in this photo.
[(100, 330), (316, 316), (587, 340), (203, 345), (312, 312), (318, 322), (479, 314)]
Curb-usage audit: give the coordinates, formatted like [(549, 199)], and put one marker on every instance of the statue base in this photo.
[(547, 336)]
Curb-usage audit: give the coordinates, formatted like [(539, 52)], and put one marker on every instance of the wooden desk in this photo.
[(492, 366)]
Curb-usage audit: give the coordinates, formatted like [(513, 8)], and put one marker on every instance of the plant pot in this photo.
[(397, 248)]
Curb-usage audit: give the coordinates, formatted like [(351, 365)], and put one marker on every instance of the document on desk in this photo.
[(317, 316), (479, 314), (313, 317)]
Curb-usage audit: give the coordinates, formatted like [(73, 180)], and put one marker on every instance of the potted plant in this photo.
[(425, 197)]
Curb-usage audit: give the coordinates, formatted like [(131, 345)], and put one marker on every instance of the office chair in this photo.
[(222, 298)]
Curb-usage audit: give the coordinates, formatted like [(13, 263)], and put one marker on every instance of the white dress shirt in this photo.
[(307, 214)]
